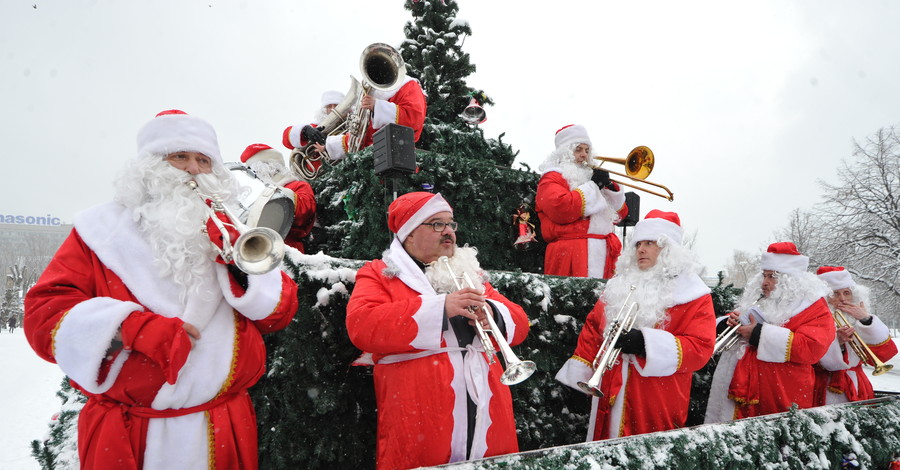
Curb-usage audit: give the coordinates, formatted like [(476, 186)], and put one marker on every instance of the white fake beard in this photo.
[(575, 174), (781, 303), (271, 172), (654, 288), (171, 216), (464, 260)]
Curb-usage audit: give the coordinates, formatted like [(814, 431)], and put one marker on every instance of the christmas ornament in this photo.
[(526, 236)]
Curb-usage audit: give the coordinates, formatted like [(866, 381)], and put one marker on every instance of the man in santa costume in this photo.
[(578, 208), (785, 328), (405, 105), (268, 165), (839, 374), (649, 388), (146, 320), (439, 400)]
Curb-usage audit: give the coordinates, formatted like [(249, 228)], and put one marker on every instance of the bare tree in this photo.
[(741, 268)]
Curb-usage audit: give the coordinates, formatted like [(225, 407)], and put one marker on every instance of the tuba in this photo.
[(304, 159), (382, 69)]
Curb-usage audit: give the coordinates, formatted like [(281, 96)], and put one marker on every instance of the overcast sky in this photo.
[(745, 104)]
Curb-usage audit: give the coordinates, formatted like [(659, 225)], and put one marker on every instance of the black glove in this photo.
[(313, 135), (601, 177), (631, 342)]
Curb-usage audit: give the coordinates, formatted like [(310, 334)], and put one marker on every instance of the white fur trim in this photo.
[(270, 155), (294, 135), (689, 287), (331, 97), (720, 408), (788, 264), (406, 269), (507, 319), (773, 343), (334, 146), (430, 320), (262, 296), (874, 333), (385, 113), (574, 134), (436, 204), (615, 412), (833, 358), (179, 442), (83, 337), (594, 202), (574, 371), (838, 280), (662, 353), (653, 228), (178, 133)]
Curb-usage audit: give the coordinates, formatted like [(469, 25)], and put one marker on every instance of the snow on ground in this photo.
[(28, 398)]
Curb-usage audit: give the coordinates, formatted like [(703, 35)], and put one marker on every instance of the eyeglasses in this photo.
[(439, 226)]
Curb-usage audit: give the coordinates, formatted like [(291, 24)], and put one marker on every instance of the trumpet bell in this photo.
[(882, 368), (258, 250), (518, 373), (587, 388)]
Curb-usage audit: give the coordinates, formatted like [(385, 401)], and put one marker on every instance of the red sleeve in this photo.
[(304, 207), (557, 202), (283, 314), (379, 319), (697, 334), (411, 107), (66, 282), (286, 138), (591, 336), (813, 331)]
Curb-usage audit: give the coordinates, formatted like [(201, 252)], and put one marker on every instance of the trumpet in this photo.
[(256, 251), (638, 166), (730, 337), (517, 370), (608, 354), (860, 347)]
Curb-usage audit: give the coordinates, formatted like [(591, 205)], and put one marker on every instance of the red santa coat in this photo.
[(839, 374), (420, 373), (165, 409), (651, 393), (778, 372), (304, 214), (405, 106), (577, 227)]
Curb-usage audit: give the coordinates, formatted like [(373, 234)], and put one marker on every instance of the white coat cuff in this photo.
[(774, 342), (430, 320), (262, 297), (574, 371), (334, 146), (833, 358), (84, 336), (593, 201), (663, 353), (385, 113), (875, 333)]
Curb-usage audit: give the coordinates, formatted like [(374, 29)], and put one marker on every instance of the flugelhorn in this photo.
[(638, 166), (730, 337), (860, 347), (608, 354), (256, 251), (516, 370)]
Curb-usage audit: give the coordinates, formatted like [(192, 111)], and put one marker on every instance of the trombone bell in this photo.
[(638, 166)]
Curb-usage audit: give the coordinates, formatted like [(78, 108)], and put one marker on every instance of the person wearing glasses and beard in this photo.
[(438, 398)]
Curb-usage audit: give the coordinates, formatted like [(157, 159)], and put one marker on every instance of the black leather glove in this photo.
[(631, 342), (313, 135), (601, 177)]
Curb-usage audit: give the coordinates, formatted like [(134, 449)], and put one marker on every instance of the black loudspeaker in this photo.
[(633, 201), (394, 151)]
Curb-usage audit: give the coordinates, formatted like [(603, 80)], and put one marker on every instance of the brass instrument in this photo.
[(335, 123), (860, 347), (608, 354), (256, 251), (516, 370), (638, 166), (382, 69), (730, 337)]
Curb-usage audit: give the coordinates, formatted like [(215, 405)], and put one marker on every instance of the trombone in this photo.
[(608, 354), (638, 165), (516, 370), (860, 347)]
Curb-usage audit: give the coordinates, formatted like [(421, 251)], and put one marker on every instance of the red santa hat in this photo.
[(261, 152), (175, 131), (784, 258), (836, 277), (331, 97), (572, 134), (656, 224), (412, 209)]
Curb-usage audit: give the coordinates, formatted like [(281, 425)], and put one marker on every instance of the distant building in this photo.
[(28, 249)]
